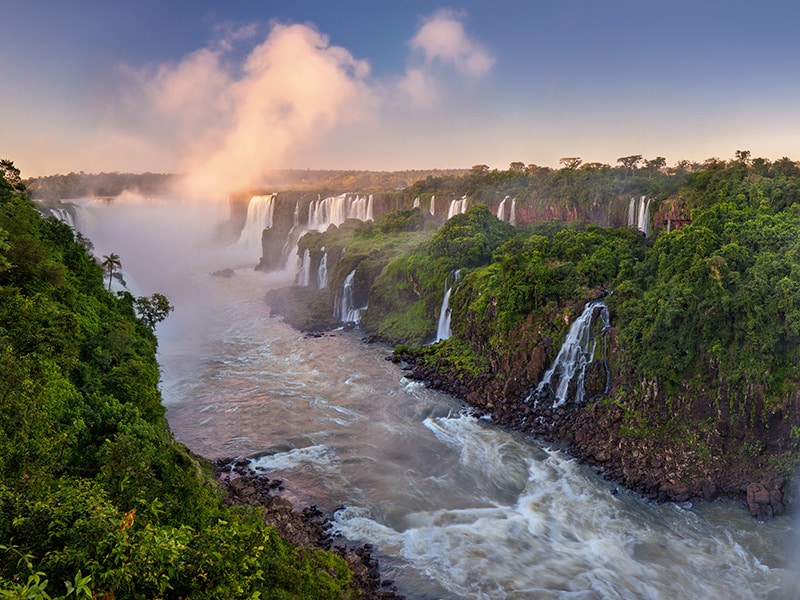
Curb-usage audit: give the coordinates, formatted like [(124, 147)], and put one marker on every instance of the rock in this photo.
[(758, 502)]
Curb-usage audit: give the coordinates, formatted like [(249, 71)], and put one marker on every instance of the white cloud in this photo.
[(441, 43), (442, 38)]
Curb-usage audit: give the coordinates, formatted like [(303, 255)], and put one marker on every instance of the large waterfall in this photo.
[(639, 214), (65, 213), (260, 211), (576, 353), (335, 210), (443, 331), (433, 205), (457, 207)]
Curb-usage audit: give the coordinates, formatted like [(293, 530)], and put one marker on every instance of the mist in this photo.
[(229, 117)]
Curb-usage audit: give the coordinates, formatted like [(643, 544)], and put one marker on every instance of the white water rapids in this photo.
[(456, 507)]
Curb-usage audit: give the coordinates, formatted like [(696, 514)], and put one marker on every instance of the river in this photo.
[(456, 507)]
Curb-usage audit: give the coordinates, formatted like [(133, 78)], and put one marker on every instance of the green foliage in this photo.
[(153, 310), (405, 300), (95, 497)]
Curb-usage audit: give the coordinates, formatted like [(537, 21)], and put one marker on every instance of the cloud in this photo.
[(231, 120), (442, 38), (441, 43)]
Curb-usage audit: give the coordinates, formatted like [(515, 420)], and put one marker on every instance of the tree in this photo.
[(570, 162), (743, 156), (479, 169), (657, 164), (154, 309), (109, 264), (630, 162), (517, 167)]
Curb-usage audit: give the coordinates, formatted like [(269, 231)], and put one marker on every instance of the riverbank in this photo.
[(306, 526), (594, 433)]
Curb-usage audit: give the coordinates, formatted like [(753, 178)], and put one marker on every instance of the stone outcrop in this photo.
[(307, 527)]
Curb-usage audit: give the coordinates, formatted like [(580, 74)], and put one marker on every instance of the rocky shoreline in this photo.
[(302, 526), (593, 433)]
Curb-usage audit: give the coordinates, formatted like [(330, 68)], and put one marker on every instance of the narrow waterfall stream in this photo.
[(456, 507)]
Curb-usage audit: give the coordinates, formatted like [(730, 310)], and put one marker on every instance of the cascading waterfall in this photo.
[(62, 214), (457, 207), (576, 353), (501, 210), (334, 210), (344, 309), (433, 205), (443, 331), (639, 214), (322, 271), (260, 211), (416, 203), (304, 273), (512, 217)]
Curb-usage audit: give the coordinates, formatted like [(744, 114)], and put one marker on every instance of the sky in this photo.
[(228, 90)]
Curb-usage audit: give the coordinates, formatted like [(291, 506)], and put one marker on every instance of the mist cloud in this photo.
[(230, 120)]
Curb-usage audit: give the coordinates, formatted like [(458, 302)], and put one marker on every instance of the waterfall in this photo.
[(259, 217), (512, 217), (501, 209), (304, 273), (63, 214), (334, 210), (443, 330), (575, 354), (433, 205), (344, 309), (457, 207), (416, 203), (322, 271), (639, 214)]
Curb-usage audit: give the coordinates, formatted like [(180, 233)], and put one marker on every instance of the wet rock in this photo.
[(758, 502)]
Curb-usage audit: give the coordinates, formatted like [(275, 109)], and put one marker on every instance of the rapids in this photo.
[(455, 507)]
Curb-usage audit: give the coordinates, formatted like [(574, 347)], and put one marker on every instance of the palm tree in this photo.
[(111, 262)]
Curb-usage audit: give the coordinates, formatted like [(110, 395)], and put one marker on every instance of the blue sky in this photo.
[(228, 89)]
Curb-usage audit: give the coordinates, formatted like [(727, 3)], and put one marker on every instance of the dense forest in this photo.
[(701, 398), (96, 498), (105, 185)]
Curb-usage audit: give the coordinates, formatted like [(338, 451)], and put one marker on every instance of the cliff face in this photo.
[(694, 442)]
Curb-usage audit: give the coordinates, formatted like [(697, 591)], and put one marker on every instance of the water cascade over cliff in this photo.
[(433, 205), (334, 210), (443, 330), (639, 214), (501, 209), (304, 274), (344, 308), (322, 271), (65, 214), (457, 207), (511, 216), (260, 211), (577, 352)]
